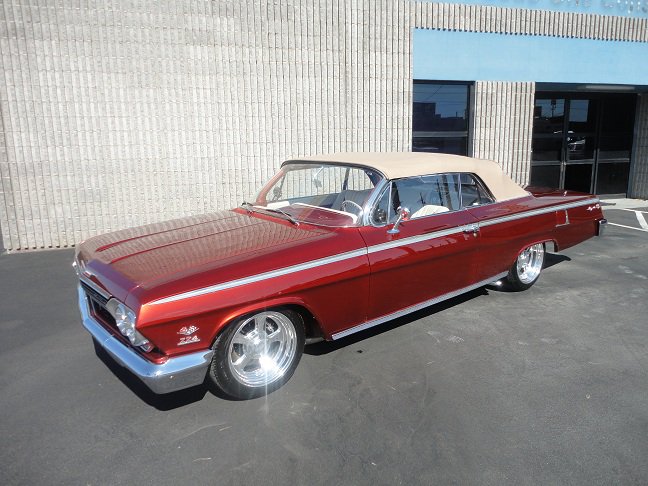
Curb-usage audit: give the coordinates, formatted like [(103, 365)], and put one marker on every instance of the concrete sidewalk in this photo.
[(624, 203)]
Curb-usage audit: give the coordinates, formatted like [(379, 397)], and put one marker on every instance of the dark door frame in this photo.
[(595, 161)]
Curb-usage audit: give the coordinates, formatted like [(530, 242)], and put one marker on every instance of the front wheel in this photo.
[(527, 267), (257, 354)]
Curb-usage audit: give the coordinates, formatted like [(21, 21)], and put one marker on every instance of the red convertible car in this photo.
[(332, 245)]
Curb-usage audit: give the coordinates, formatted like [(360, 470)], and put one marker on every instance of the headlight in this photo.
[(125, 320)]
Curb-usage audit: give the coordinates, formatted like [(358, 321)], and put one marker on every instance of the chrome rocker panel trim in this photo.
[(176, 374), (416, 307)]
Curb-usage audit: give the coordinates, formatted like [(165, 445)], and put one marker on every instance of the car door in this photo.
[(503, 230), (431, 255)]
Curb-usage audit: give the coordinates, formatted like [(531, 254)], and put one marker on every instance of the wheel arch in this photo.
[(312, 326), (545, 241)]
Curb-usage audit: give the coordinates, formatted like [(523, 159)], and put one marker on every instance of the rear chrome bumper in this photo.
[(602, 223), (175, 374)]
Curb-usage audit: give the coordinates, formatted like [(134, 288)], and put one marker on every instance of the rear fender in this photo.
[(547, 243)]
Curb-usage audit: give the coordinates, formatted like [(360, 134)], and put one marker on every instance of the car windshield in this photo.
[(317, 193)]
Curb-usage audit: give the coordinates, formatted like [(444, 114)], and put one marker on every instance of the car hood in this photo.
[(196, 250)]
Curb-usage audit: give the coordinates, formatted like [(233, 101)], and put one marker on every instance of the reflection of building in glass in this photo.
[(440, 117)]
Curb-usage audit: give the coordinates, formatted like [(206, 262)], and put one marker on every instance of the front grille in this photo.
[(94, 295), (97, 304)]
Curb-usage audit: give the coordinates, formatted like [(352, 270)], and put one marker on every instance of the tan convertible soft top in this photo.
[(396, 165)]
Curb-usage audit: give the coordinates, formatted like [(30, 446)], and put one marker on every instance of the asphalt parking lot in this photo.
[(547, 386)]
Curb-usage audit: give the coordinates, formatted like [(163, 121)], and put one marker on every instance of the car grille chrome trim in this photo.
[(97, 304), (365, 251), (416, 307), (89, 283), (93, 294)]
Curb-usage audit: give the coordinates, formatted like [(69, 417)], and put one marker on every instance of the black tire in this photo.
[(240, 365), (531, 258)]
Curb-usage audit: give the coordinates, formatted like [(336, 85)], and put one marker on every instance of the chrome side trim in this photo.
[(363, 251), (536, 212), (414, 239), (175, 374), (416, 307), (263, 276), (94, 287)]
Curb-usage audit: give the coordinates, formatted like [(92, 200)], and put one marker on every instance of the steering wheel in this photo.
[(348, 201)]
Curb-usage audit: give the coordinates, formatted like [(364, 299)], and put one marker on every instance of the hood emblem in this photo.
[(187, 331)]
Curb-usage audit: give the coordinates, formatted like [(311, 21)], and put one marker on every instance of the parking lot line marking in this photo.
[(626, 209), (642, 220), (628, 227)]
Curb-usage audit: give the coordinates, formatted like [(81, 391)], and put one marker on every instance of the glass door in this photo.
[(580, 144), (548, 138), (582, 141), (615, 146)]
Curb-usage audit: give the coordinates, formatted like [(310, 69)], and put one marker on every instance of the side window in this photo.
[(473, 192), (423, 196), (358, 180)]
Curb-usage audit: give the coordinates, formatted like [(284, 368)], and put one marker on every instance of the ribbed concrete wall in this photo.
[(639, 173), (118, 113), (478, 18), (503, 125)]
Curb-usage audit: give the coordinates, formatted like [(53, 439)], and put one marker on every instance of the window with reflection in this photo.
[(421, 195), (583, 141), (440, 117)]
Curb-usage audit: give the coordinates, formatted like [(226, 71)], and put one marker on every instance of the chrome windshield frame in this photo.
[(363, 219)]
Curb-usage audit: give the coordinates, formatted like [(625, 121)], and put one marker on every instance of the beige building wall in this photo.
[(503, 126), (121, 113), (115, 114)]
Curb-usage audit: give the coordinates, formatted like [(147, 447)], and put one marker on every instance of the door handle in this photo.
[(471, 228)]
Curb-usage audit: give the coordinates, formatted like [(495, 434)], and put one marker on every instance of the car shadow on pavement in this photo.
[(165, 402), (552, 259), (325, 347)]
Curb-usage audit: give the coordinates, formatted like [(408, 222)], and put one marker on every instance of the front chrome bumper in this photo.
[(175, 374), (602, 223)]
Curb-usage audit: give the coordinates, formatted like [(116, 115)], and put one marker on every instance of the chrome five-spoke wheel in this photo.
[(263, 348), (527, 267), (258, 353)]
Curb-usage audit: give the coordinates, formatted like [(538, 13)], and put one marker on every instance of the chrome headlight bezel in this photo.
[(125, 319)]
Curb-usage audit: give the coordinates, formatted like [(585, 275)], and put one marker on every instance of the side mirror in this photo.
[(403, 215)]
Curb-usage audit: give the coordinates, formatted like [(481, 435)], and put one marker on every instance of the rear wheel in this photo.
[(526, 268), (257, 354)]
